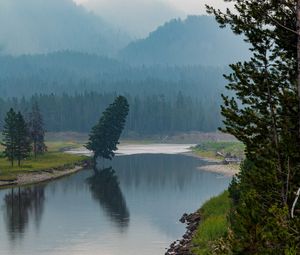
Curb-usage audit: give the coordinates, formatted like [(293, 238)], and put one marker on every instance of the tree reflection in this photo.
[(105, 189), (21, 205)]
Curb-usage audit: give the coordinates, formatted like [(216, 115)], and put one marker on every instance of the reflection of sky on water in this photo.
[(131, 209)]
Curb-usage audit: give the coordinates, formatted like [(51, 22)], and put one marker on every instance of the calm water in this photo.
[(130, 209)]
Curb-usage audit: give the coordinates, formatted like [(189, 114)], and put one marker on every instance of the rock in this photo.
[(183, 218), (182, 247)]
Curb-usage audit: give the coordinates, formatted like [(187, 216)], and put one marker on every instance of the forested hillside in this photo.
[(196, 40), (71, 72), (172, 79), (149, 115)]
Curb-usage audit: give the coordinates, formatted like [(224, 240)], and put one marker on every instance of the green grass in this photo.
[(54, 158), (213, 226), (209, 149)]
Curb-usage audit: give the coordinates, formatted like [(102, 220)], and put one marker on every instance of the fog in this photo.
[(100, 27), (141, 17), (40, 26)]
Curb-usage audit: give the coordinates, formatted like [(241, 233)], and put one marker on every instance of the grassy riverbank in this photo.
[(54, 158), (213, 226), (209, 149)]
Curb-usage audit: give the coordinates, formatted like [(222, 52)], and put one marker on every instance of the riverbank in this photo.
[(214, 152), (40, 176), (216, 165), (206, 229), (51, 165)]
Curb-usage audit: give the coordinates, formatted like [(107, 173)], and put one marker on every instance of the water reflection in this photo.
[(157, 172), (131, 208), (104, 185), (21, 205)]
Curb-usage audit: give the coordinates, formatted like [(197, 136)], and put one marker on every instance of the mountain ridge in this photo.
[(192, 41), (35, 27)]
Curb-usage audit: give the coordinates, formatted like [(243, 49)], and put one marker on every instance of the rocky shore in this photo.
[(183, 246)]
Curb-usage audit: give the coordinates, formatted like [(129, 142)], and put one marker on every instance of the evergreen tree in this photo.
[(105, 136), (22, 139), (264, 116), (9, 135), (36, 130)]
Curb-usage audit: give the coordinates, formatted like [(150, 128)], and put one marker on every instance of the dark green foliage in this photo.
[(22, 138), (16, 140), (36, 130), (105, 136), (9, 135), (263, 115)]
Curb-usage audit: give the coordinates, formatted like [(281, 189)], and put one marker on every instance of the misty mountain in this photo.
[(35, 26), (195, 40), (136, 17)]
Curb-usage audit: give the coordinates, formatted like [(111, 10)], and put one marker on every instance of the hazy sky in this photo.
[(140, 17)]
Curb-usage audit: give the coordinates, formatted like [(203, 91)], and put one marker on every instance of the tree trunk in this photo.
[(34, 148), (12, 157), (298, 60)]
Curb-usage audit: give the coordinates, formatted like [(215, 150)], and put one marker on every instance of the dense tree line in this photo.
[(156, 114), (71, 73)]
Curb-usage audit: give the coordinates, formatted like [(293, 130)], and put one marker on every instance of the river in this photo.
[(132, 207)]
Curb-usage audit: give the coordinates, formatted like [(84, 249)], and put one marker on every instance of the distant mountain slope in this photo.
[(35, 26), (196, 40), (72, 72)]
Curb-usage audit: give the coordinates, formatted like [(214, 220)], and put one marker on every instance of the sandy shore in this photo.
[(38, 177), (227, 170), (135, 149), (216, 165)]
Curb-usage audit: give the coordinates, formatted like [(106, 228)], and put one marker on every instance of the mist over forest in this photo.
[(181, 63), (34, 26)]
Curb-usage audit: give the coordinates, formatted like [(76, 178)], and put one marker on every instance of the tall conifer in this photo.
[(22, 138), (105, 135), (36, 130), (9, 135), (264, 115)]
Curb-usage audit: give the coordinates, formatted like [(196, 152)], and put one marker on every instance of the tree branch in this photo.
[(295, 202)]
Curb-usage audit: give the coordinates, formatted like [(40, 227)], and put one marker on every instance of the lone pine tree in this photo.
[(36, 130), (105, 135)]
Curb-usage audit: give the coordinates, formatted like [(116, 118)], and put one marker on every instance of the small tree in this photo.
[(36, 130), (105, 136), (9, 135), (22, 139)]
